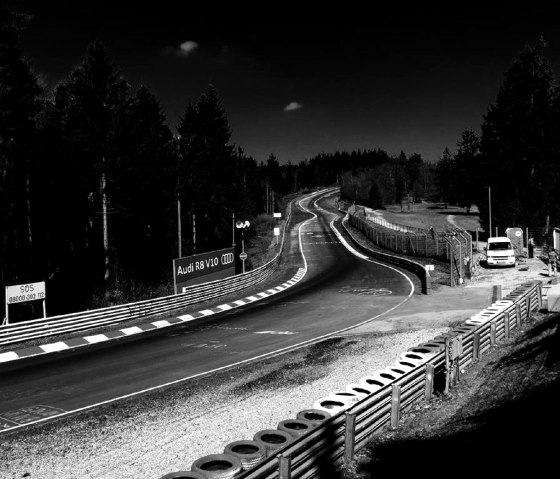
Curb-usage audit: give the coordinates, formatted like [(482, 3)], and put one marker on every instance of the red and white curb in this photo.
[(142, 328)]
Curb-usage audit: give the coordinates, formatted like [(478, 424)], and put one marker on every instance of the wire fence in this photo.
[(452, 245)]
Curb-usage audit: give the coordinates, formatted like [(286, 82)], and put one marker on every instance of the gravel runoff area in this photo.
[(167, 430)]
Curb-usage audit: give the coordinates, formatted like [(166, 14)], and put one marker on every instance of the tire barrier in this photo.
[(360, 390), (295, 427), (347, 396), (373, 382), (184, 475), (331, 405), (315, 416), (273, 439), (432, 346), (404, 366), (217, 466), (383, 396), (415, 357), (250, 453)]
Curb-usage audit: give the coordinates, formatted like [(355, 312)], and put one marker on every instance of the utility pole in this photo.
[(179, 227), (194, 231), (489, 212)]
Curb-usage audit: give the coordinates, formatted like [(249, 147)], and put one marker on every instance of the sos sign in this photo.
[(20, 293), (25, 292)]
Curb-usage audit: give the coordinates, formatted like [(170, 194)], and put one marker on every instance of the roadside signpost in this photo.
[(21, 293)]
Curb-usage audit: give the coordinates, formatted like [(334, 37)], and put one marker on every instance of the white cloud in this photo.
[(186, 48), (294, 105)]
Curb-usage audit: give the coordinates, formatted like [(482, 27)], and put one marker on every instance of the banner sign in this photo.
[(201, 268)]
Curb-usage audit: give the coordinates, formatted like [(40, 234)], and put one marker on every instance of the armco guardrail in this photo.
[(417, 268), (413, 379), (56, 325)]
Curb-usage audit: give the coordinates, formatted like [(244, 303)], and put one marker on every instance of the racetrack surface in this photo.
[(339, 291)]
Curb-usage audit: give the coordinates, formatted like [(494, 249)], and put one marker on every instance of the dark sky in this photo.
[(296, 82)]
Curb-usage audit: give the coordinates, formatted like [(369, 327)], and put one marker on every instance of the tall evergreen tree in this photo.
[(89, 109), (517, 142), (208, 173), (466, 170), (19, 105), (142, 192)]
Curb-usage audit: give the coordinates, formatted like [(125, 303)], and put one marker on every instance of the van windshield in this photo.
[(501, 245)]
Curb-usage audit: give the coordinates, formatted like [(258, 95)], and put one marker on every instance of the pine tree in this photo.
[(19, 106), (517, 142)]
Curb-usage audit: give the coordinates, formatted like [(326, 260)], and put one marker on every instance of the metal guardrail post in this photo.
[(284, 467), (492, 333), (476, 347), (429, 386), (349, 438), (395, 405)]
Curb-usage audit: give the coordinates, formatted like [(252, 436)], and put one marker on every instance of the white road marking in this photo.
[(53, 347), (160, 324), (132, 330), (96, 338)]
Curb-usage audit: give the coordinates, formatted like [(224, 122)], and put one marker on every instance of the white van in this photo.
[(499, 252)]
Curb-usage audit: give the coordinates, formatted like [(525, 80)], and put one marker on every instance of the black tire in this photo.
[(217, 466), (316, 416), (250, 453), (273, 439), (296, 427), (183, 475)]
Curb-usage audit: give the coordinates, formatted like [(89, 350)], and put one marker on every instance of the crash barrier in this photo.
[(74, 322), (452, 245), (416, 268), (340, 427)]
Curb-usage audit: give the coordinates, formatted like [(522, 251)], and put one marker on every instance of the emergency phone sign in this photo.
[(20, 293)]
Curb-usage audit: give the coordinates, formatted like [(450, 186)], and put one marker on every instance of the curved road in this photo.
[(340, 290)]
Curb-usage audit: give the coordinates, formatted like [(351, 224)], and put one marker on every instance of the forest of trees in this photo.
[(91, 175), (517, 152)]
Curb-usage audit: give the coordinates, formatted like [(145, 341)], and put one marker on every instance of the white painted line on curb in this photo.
[(9, 356), (132, 330), (161, 324), (53, 347), (97, 338)]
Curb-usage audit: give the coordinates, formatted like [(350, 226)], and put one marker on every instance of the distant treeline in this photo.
[(92, 179)]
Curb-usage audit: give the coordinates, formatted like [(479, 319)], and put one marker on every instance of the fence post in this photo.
[(493, 333), (349, 438), (395, 406), (476, 347), (429, 387), (506, 324), (284, 467), (528, 305), (518, 315), (539, 295)]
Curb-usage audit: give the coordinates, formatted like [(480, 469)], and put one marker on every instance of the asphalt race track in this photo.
[(340, 290)]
